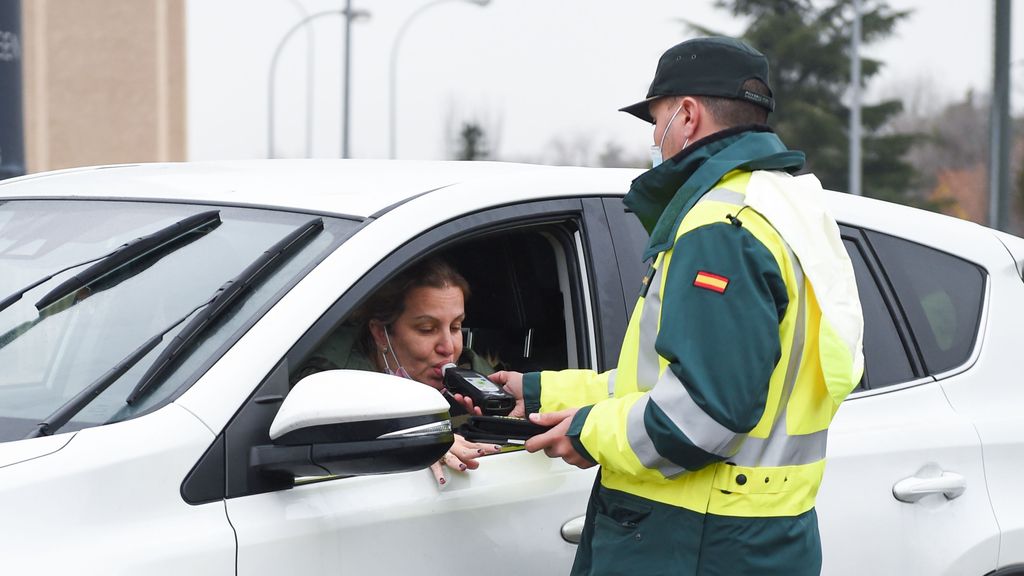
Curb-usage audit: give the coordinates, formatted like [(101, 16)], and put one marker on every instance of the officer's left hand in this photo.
[(554, 442)]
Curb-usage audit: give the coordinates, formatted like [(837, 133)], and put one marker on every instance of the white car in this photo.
[(149, 422)]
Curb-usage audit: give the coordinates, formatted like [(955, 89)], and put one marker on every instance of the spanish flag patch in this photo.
[(710, 281)]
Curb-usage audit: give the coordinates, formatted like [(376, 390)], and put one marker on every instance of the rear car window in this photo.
[(942, 296)]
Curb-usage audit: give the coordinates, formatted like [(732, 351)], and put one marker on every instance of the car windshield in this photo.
[(50, 355)]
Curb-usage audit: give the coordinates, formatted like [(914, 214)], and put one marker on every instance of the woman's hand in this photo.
[(461, 457)]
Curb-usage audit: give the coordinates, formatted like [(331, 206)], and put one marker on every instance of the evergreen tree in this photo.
[(808, 47)]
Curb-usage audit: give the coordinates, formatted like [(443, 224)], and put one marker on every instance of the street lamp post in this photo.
[(999, 123), (349, 15), (855, 122), (393, 92)]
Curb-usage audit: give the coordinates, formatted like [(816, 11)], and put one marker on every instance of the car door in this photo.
[(904, 489), (506, 517)]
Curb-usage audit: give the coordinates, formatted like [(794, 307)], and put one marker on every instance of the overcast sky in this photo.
[(532, 72)]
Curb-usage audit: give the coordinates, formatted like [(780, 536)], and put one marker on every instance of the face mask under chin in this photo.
[(397, 370)]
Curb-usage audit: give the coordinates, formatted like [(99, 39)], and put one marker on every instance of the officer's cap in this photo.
[(715, 66)]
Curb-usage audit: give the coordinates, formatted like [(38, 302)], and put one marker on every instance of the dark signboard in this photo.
[(12, 137)]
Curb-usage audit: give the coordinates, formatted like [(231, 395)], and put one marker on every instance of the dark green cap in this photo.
[(715, 66)]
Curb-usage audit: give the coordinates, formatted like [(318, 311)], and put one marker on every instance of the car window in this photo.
[(940, 294), (885, 357), (51, 355), (520, 315), (543, 239)]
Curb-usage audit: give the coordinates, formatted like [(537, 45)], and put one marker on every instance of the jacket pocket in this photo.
[(619, 534)]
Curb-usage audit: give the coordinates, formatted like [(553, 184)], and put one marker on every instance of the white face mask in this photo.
[(656, 156)]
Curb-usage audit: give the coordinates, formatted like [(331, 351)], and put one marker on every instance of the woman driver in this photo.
[(411, 327)]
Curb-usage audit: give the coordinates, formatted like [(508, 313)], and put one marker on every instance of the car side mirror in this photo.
[(352, 422)]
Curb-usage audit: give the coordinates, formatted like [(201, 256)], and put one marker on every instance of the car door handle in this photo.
[(572, 531), (929, 480)]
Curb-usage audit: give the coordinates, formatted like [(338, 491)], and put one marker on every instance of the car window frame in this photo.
[(979, 328), (896, 309), (224, 472), (612, 305)]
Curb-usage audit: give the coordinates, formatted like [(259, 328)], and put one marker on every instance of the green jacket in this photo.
[(711, 430)]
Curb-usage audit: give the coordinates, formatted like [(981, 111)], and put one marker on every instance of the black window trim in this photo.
[(889, 297), (856, 235), (611, 305)]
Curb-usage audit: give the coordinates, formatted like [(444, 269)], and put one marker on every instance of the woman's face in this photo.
[(428, 334)]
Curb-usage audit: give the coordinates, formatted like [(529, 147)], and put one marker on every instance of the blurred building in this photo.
[(103, 81), (12, 148)]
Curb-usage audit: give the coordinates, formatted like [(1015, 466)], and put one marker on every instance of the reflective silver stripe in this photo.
[(647, 362), (796, 351), (782, 450), (725, 196), (703, 431), (643, 447), (611, 382)]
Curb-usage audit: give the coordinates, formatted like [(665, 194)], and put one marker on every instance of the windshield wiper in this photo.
[(113, 260), (128, 252), (223, 298), (67, 411)]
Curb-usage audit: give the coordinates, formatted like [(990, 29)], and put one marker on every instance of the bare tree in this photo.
[(471, 135)]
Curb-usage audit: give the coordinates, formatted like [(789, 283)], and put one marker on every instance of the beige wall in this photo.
[(104, 82)]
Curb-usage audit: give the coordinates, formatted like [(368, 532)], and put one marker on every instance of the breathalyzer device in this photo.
[(492, 400)]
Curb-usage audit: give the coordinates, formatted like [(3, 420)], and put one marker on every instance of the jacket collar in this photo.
[(664, 194)]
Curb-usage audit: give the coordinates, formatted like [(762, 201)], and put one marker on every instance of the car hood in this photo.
[(21, 450)]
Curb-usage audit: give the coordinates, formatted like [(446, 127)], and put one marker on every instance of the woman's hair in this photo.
[(388, 302)]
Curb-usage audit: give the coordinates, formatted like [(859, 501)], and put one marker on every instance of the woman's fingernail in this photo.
[(480, 451), (497, 448), (441, 481), (462, 466)]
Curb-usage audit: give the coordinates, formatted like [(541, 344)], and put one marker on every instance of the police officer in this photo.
[(746, 337)]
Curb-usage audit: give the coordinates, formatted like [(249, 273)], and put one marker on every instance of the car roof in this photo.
[(358, 188), (369, 188)]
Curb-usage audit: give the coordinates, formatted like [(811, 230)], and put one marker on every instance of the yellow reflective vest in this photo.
[(745, 340)]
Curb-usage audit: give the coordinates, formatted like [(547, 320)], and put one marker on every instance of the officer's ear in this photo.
[(692, 114)]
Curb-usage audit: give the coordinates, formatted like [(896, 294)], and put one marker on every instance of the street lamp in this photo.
[(855, 103), (349, 15), (392, 116)]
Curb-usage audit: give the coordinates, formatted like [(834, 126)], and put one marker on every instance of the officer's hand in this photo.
[(513, 383), (554, 442)]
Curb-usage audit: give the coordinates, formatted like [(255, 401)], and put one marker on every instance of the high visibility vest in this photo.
[(775, 467)]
